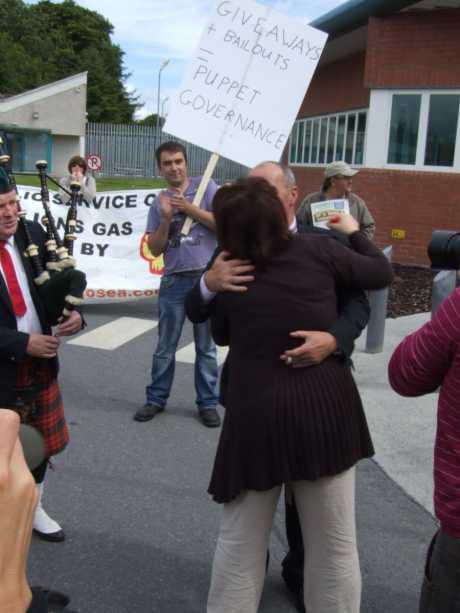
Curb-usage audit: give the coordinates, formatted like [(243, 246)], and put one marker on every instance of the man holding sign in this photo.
[(185, 258), (337, 186)]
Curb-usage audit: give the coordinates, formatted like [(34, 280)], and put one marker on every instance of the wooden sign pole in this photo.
[(201, 190)]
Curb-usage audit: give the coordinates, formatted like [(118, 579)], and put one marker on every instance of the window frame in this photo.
[(425, 97), (300, 125)]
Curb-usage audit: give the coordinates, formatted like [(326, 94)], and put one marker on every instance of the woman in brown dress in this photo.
[(303, 426)]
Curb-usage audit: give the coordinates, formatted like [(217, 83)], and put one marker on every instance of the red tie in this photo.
[(14, 289)]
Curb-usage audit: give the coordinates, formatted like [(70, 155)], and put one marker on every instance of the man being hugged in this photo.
[(185, 258)]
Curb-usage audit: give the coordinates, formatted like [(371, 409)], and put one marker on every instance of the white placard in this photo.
[(322, 211), (245, 84), (111, 247)]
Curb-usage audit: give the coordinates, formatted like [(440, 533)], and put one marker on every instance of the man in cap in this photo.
[(28, 349), (336, 186)]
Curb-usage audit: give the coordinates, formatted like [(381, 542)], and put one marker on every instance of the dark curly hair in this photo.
[(250, 220), (77, 160)]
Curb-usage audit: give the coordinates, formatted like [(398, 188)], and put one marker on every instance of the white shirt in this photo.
[(207, 295), (29, 322)]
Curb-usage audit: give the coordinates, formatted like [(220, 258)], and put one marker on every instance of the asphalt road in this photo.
[(132, 499)]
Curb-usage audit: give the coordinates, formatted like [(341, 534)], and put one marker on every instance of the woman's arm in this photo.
[(420, 362), (364, 266)]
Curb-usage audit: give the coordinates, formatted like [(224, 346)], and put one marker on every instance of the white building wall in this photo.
[(64, 147), (62, 113), (378, 128)]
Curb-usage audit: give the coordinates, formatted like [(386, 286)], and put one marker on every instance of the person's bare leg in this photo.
[(18, 497)]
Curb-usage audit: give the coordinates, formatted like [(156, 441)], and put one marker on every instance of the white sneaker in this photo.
[(44, 526)]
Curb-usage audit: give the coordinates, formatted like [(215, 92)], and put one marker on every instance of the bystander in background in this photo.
[(77, 172), (337, 185)]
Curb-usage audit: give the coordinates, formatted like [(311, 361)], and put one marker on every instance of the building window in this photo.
[(405, 119), (442, 130), (360, 138), (322, 140), (418, 130), (25, 148)]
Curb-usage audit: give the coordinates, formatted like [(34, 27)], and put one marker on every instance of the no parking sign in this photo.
[(94, 162)]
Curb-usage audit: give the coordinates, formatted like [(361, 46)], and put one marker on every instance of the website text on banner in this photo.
[(245, 84), (110, 247)]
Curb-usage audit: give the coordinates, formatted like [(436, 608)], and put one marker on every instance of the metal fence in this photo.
[(129, 150)]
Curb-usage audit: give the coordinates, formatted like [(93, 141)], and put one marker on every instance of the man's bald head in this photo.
[(283, 180)]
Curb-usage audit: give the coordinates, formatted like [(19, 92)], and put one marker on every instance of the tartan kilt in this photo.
[(48, 412)]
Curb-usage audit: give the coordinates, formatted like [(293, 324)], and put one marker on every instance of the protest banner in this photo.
[(111, 247), (245, 84)]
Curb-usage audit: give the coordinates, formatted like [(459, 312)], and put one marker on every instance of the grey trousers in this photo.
[(332, 578), (441, 584)]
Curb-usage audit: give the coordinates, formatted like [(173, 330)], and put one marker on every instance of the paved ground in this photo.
[(132, 497)]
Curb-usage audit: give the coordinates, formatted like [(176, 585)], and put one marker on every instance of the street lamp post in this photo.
[(163, 107), (157, 131)]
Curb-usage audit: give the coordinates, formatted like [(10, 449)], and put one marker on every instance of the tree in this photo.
[(45, 42), (151, 120)]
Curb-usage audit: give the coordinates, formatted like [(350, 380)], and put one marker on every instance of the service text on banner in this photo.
[(110, 247)]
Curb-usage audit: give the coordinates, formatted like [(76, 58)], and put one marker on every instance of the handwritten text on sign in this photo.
[(246, 82)]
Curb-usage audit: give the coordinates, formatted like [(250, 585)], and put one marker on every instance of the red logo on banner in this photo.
[(156, 263)]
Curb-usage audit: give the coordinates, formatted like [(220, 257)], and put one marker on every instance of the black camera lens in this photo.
[(444, 250)]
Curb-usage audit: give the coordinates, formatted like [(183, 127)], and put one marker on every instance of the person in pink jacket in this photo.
[(424, 361)]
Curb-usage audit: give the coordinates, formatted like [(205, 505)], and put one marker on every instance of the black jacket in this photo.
[(13, 344), (353, 305)]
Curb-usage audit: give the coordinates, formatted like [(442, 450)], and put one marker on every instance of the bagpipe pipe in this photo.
[(60, 285)]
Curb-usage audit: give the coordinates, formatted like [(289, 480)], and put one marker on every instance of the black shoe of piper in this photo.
[(51, 537), (147, 412), (210, 418)]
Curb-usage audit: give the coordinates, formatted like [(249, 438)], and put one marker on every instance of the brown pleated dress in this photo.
[(284, 424)]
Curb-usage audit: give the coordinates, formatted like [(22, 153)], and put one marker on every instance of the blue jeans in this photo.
[(171, 301)]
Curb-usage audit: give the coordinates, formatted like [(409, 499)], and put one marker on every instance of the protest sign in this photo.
[(111, 247), (244, 86)]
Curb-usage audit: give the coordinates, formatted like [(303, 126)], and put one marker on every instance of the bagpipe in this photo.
[(60, 285)]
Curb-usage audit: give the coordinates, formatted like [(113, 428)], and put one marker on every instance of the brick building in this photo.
[(386, 98)]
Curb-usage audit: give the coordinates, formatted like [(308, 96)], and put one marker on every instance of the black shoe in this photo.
[(51, 537), (147, 412), (210, 418), (55, 599), (49, 601)]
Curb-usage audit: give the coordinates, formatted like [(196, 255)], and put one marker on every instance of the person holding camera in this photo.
[(424, 361), (77, 172)]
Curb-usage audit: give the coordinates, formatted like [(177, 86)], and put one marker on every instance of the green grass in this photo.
[(104, 184)]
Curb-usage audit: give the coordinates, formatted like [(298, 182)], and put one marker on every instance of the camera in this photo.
[(444, 250)]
